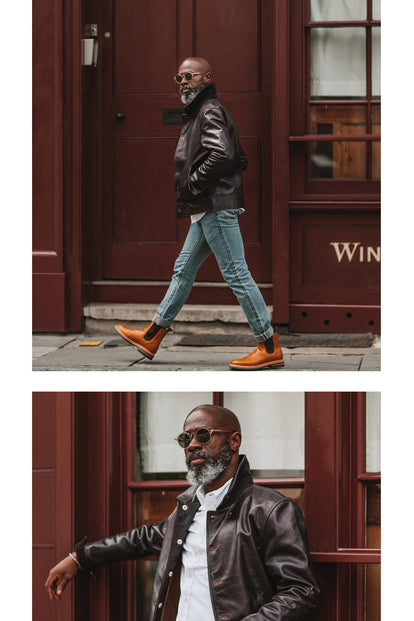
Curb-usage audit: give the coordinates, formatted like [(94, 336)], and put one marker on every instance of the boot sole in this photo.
[(143, 351), (257, 366)]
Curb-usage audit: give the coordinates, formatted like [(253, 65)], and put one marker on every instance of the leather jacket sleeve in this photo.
[(218, 152), (287, 562), (135, 543)]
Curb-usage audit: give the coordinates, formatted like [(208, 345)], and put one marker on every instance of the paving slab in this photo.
[(66, 353)]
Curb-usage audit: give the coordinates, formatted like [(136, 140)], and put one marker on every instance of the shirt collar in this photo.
[(214, 498)]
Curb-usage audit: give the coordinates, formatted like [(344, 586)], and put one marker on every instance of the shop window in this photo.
[(272, 441), (341, 89)]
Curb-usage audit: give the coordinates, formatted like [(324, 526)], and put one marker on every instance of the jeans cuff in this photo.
[(163, 323), (266, 335)]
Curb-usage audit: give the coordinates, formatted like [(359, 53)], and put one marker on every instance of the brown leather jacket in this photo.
[(208, 159), (257, 554)]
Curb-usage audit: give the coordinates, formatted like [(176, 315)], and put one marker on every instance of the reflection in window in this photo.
[(338, 63), (338, 160), (338, 10)]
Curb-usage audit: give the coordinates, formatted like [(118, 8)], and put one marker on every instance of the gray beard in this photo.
[(211, 469), (187, 98)]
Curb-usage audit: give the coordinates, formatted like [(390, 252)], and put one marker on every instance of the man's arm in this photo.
[(218, 144), (135, 543), (287, 561), (60, 576)]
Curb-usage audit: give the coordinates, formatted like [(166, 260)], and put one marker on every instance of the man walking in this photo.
[(230, 550), (209, 162)]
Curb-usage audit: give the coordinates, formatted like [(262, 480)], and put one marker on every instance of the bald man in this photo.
[(230, 550), (209, 162)]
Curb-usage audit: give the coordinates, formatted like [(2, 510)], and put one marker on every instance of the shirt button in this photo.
[(170, 574), (185, 507), (180, 542), (160, 605)]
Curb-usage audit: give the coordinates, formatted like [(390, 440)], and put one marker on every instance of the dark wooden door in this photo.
[(143, 44)]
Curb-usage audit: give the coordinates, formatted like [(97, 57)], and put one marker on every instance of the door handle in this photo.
[(119, 116)]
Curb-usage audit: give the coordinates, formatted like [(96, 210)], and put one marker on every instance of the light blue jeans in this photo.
[(217, 232)]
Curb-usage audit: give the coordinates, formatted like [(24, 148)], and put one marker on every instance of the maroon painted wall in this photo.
[(56, 165), (52, 498)]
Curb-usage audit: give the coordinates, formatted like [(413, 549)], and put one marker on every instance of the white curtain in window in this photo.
[(272, 428), (338, 10), (373, 432), (376, 9), (376, 62), (338, 67), (161, 420)]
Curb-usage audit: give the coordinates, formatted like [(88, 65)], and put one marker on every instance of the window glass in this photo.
[(338, 10), (272, 431), (376, 62), (338, 160), (376, 9), (338, 62), (373, 432), (338, 119), (160, 420), (376, 119), (376, 146)]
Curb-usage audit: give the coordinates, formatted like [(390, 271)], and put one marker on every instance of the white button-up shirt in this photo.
[(195, 599)]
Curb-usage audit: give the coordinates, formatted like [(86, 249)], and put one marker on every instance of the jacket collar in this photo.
[(241, 481), (208, 92)]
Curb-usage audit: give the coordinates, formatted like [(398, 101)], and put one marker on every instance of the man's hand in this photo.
[(59, 576)]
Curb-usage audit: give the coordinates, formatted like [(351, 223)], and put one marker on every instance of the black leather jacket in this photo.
[(257, 554), (208, 159)]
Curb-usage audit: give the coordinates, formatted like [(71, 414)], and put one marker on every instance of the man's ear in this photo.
[(208, 76), (235, 441)]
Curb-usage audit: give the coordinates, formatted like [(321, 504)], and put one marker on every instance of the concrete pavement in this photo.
[(108, 352)]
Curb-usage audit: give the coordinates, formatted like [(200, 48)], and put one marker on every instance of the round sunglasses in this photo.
[(188, 75), (203, 436)]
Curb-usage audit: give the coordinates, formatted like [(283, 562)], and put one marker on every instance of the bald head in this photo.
[(222, 417), (201, 64)]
